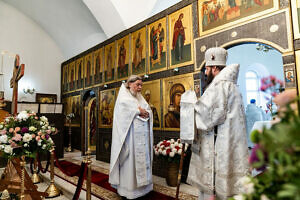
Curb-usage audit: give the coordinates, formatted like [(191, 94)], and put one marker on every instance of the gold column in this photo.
[(35, 177), (52, 190), (89, 175), (22, 163)]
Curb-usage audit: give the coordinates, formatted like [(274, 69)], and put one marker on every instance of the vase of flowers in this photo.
[(170, 150), (25, 135)]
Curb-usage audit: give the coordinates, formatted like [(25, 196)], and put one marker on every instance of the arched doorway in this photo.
[(257, 61), (89, 121)]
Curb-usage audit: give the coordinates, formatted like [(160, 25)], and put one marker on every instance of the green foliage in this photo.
[(279, 151)]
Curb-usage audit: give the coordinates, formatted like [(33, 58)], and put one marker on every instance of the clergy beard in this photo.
[(133, 93), (209, 78)]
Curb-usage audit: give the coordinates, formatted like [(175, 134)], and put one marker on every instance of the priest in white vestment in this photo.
[(219, 150), (132, 141)]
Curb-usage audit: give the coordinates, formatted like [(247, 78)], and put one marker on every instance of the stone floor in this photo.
[(68, 189)]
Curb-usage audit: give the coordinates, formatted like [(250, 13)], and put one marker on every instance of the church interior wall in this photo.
[(41, 55), (272, 28)]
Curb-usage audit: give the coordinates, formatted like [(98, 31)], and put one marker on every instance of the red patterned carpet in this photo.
[(101, 180)]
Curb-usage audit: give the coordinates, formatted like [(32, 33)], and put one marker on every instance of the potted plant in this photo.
[(171, 151)]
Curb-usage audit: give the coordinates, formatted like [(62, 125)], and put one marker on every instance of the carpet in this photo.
[(102, 189)]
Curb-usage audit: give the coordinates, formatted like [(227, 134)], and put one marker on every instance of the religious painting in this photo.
[(197, 88), (151, 93), (289, 75), (88, 70), (123, 58), (107, 104), (46, 98), (98, 65), (181, 37), (173, 88), (75, 108), (157, 46), (79, 73), (72, 82), (65, 82), (138, 49), (218, 15), (109, 64), (296, 17)]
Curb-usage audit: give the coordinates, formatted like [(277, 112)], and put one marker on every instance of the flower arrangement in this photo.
[(170, 149), (25, 135), (276, 156)]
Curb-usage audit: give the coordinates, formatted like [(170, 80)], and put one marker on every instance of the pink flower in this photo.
[(11, 130), (3, 132), (35, 117), (13, 145), (263, 87), (39, 133), (272, 78), (273, 94), (285, 97), (43, 137), (17, 137), (37, 138), (48, 131), (33, 135), (17, 129)]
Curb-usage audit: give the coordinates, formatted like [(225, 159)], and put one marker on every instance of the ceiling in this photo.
[(77, 25)]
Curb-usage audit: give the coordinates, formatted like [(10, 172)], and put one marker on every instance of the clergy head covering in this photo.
[(215, 56)]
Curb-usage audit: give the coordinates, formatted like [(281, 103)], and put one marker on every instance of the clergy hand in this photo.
[(143, 113)]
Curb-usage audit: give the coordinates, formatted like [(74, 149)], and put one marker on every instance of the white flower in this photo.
[(176, 144), (3, 139), (44, 127), (180, 145), (1, 147), (238, 197), (26, 145), (164, 152), (248, 185), (8, 149), (172, 146), (50, 140), (32, 128), (245, 180), (174, 150), (179, 151), (39, 142), (264, 197), (53, 129), (172, 141), (156, 153), (27, 137), (1, 126), (44, 119), (44, 146), (172, 154), (159, 150), (23, 115), (41, 123), (7, 119)]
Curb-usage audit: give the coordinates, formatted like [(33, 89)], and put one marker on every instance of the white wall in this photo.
[(38, 51)]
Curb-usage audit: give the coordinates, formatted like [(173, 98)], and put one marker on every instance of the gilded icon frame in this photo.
[(185, 54), (122, 48), (109, 62), (230, 15), (295, 7), (157, 46), (110, 105), (138, 52), (185, 80), (153, 90)]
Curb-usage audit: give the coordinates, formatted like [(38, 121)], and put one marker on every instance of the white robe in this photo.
[(226, 159), (131, 151)]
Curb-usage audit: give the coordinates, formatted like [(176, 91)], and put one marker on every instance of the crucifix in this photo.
[(18, 73)]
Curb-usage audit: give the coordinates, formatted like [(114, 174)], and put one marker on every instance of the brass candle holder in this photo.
[(52, 190)]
